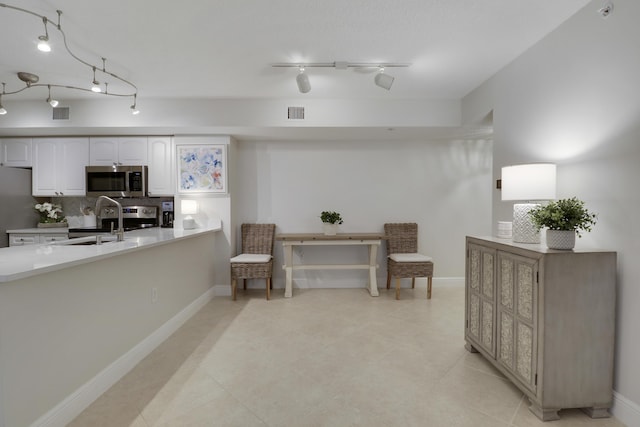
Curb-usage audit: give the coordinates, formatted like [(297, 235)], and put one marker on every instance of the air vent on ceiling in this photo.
[(60, 113), (295, 113)]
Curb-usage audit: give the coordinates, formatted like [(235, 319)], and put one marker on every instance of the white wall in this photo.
[(573, 99), (444, 186)]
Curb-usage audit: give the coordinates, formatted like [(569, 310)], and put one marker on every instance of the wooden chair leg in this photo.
[(413, 283), (388, 280), (268, 288), (429, 279), (398, 288), (233, 288), (245, 284)]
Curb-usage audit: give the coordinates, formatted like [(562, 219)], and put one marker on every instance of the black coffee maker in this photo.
[(167, 214)]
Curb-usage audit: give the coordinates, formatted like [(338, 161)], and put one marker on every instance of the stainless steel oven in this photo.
[(117, 181), (133, 217)]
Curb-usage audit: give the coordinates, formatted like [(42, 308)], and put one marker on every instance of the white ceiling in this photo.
[(225, 48)]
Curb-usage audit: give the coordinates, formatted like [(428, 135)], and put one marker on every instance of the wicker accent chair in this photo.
[(256, 259), (403, 259)]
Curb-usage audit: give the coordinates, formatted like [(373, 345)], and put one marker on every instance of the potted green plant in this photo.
[(563, 219), (330, 221)]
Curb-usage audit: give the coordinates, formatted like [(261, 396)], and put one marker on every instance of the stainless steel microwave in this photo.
[(117, 181)]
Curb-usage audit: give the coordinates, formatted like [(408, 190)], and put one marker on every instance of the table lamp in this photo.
[(188, 208), (530, 183)]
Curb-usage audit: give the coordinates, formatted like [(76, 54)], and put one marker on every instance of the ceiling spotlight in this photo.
[(303, 81), (134, 110), (2, 110), (43, 41), (52, 102), (383, 80), (96, 84)]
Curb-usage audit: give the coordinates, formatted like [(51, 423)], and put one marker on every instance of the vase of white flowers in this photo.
[(50, 215)]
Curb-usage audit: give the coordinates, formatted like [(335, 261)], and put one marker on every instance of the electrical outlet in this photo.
[(154, 295)]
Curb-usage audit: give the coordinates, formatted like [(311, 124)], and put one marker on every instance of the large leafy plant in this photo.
[(564, 214)]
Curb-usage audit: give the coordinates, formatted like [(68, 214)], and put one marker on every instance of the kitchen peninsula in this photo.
[(76, 318)]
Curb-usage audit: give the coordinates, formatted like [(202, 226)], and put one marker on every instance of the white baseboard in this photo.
[(64, 412), (625, 410), (302, 283)]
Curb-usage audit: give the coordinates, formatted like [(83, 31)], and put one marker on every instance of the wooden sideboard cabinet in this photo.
[(546, 319)]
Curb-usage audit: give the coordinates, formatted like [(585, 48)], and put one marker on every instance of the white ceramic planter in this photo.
[(330, 229), (561, 239)]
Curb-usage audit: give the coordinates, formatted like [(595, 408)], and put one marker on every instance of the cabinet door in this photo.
[(73, 157), (517, 317), (480, 289), (103, 151), (16, 152), (161, 173), (44, 172), (132, 151)]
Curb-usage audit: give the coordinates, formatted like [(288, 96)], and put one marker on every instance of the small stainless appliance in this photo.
[(133, 218), (167, 214), (117, 181)]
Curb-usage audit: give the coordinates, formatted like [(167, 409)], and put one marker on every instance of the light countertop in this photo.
[(18, 262)]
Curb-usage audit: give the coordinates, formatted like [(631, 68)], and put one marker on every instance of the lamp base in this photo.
[(523, 229), (189, 223)]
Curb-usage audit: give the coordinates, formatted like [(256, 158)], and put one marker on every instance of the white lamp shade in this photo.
[(535, 181), (189, 207)]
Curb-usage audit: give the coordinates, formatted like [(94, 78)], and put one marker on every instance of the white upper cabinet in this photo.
[(130, 151), (59, 166), (16, 152), (161, 166)]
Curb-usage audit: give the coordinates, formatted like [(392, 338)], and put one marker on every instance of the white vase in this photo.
[(561, 239), (330, 229)]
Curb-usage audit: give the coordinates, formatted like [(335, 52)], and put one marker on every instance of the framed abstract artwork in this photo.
[(202, 168)]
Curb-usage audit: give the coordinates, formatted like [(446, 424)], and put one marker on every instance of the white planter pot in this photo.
[(330, 229), (561, 239)]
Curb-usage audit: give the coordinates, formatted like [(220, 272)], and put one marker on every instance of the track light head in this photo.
[(43, 44), (303, 81), (52, 102), (134, 109), (2, 110), (383, 80)]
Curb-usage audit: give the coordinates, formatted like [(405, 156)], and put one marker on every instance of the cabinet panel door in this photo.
[(481, 313), (161, 169), (517, 306), (132, 151), (44, 173), (74, 157), (103, 151), (16, 152)]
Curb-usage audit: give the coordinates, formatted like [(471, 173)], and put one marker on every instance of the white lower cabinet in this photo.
[(21, 239), (59, 166), (546, 319)]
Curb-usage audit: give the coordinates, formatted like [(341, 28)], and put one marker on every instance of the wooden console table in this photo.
[(371, 240)]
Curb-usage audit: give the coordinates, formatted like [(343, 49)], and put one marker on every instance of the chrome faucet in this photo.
[(120, 232)]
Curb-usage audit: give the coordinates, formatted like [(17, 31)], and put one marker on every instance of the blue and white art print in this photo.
[(202, 169)]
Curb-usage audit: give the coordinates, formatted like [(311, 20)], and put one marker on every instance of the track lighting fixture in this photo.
[(303, 81), (606, 9), (52, 102), (95, 84), (31, 80), (134, 109), (43, 41), (381, 79)]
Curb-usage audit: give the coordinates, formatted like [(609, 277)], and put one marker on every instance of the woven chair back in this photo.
[(258, 238), (402, 237)]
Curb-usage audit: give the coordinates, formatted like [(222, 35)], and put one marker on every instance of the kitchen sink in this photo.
[(85, 241)]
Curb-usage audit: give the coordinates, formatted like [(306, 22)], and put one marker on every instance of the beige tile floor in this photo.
[(327, 357)]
